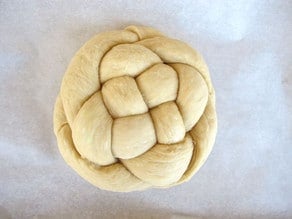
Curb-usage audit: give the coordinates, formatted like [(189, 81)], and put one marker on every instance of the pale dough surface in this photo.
[(136, 110), (247, 46)]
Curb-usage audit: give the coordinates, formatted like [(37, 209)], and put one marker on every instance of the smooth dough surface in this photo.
[(136, 110)]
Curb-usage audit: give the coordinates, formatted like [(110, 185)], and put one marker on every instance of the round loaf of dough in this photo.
[(136, 110)]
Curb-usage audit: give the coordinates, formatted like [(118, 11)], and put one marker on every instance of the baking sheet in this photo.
[(247, 45)]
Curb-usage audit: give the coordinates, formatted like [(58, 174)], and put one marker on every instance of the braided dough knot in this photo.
[(136, 110)]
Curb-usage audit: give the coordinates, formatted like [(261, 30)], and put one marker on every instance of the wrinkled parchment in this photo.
[(247, 45)]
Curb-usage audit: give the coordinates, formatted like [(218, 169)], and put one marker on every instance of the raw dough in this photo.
[(136, 110)]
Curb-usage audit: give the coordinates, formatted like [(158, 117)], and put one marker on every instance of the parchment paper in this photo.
[(247, 45)]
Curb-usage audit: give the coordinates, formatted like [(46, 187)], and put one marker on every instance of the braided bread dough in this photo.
[(136, 110)]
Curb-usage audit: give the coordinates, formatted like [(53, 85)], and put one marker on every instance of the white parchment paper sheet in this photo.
[(247, 45)]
